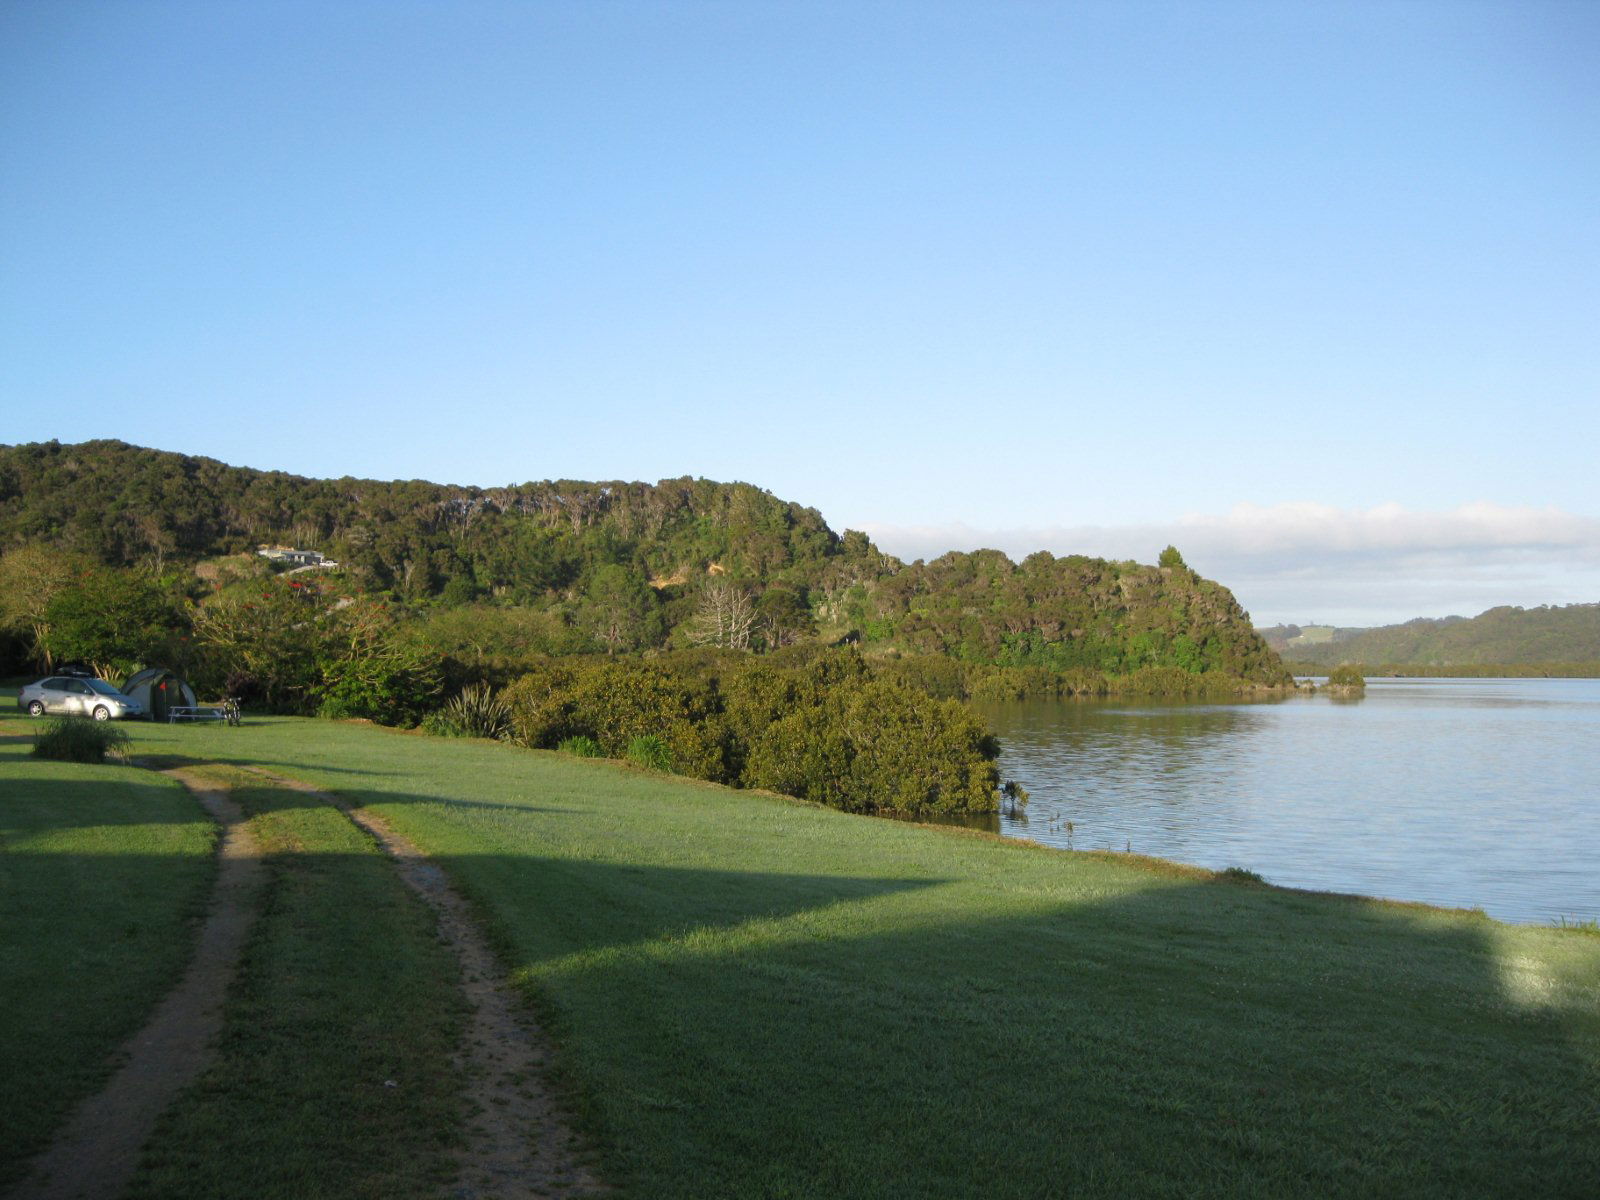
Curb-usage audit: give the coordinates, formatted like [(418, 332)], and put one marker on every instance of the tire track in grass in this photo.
[(94, 1154), (519, 1145)]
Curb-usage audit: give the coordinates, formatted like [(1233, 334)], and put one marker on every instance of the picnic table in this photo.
[(176, 713), (227, 711)]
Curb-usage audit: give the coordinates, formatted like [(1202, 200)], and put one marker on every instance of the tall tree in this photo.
[(31, 577), (622, 609), (725, 617), (112, 620), (783, 617)]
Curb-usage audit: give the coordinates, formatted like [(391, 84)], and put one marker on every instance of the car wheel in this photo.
[(36, 708), (102, 713)]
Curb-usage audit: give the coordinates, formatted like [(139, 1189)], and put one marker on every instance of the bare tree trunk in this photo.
[(725, 617)]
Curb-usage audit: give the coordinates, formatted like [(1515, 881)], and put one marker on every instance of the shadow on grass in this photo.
[(101, 891), (69, 941), (741, 1033), (1186, 1040), (64, 804)]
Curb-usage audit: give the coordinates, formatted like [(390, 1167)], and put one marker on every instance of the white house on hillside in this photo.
[(294, 558)]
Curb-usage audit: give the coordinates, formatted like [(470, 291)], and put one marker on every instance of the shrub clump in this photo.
[(818, 726), (476, 712), (580, 746), (1346, 676), (648, 750), (1240, 875), (80, 740)]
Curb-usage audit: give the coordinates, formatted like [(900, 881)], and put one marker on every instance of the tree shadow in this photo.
[(1061, 1029), (64, 804), (63, 913), (1188, 1039)]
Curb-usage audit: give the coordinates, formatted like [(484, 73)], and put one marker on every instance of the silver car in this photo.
[(84, 697)]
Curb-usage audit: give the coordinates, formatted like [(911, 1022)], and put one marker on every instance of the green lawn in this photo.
[(334, 1076), (760, 999), (104, 871), (757, 998)]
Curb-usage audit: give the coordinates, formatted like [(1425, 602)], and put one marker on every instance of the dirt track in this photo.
[(94, 1154), (518, 1144)]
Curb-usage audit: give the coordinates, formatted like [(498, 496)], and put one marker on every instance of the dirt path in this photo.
[(518, 1144), (94, 1153)]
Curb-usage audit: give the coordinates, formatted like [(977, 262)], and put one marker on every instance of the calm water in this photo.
[(1474, 793)]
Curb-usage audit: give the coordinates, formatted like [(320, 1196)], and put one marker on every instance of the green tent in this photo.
[(159, 689)]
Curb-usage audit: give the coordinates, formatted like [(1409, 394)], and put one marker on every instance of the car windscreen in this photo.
[(101, 686)]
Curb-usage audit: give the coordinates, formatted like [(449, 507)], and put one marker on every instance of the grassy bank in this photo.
[(758, 998), (103, 872)]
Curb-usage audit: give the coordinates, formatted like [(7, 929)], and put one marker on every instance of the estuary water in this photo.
[(1469, 793)]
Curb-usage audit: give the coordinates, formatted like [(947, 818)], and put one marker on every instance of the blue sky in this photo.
[(1311, 290)]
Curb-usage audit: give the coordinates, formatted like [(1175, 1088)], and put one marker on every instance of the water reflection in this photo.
[(1469, 793)]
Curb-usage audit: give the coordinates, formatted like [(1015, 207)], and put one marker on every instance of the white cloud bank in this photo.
[(1311, 562)]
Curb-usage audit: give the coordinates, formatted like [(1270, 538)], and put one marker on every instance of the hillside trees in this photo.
[(488, 639), (626, 566), (622, 610), (1072, 613), (1503, 635), (782, 618)]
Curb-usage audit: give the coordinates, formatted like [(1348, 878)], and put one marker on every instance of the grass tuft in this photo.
[(580, 746), (80, 740), (1240, 875), (651, 752)]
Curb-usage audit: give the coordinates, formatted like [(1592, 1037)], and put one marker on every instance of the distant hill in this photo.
[(631, 566), (1505, 635)]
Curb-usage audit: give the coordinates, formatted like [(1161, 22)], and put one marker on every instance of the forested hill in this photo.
[(123, 505), (1505, 635), (625, 566)]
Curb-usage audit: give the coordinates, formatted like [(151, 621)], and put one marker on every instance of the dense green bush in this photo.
[(946, 678), (541, 703), (80, 740), (879, 746), (812, 724), (615, 701), (388, 691)]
